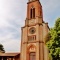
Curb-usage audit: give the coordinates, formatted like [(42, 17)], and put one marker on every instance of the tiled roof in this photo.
[(9, 54)]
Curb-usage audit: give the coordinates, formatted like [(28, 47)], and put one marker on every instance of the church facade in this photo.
[(33, 33), (33, 45)]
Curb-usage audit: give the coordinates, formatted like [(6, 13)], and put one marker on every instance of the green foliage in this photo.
[(54, 41), (1, 48), (57, 25)]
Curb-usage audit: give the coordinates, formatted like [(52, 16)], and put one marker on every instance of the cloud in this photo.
[(12, 45), (10, 25), (51, 9), (12, 18)]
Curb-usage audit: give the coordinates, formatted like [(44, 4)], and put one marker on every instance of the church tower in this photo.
[(33, 33)]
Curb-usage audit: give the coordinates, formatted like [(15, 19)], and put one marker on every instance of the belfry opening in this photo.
[(32, 13)]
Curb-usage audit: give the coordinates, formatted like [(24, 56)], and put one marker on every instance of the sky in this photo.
[(12, 18)]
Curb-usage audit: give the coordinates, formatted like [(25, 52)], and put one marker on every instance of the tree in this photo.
[(53, 42), (2, 48)]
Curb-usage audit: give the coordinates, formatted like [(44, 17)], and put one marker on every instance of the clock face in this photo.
[(32, 30)]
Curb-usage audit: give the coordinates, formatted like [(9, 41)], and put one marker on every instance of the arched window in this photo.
[(32, 52), (32, 13), (32, 56), (40, 13)]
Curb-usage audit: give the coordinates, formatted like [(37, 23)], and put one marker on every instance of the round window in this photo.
[(32, 30)]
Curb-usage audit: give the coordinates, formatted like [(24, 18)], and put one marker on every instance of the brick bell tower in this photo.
[(33, 33)]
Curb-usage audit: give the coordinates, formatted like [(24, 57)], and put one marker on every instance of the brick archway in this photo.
[(31, 52), (31, 48)]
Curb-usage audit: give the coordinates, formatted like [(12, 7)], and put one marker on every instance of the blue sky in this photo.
[(12, 18)]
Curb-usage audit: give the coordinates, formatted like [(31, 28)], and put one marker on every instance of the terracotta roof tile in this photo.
[(9, 54)]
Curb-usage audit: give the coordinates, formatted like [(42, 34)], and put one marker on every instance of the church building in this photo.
[(34, 31)]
